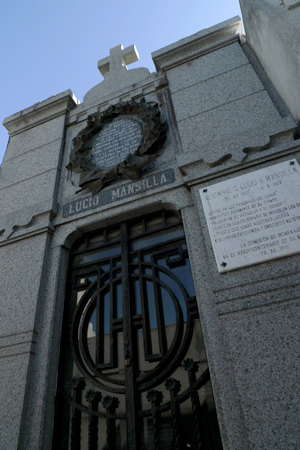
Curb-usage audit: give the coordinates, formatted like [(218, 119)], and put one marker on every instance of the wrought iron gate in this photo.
[(133, 367)]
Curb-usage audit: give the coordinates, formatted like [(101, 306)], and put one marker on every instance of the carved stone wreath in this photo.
[(153, 136)]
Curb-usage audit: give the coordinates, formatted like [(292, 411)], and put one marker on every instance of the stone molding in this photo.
[(18, 344), (289, 4), (144, 88), (204, 41), (40, 112), (27, 220)]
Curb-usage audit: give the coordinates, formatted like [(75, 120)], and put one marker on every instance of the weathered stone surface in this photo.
[(220, 103), (118, 60), (108, 87), (28, 220), (27, 193), (290, 4), (215, 92), (232, 127), (32, 160), (23, 262), (200, 43), (31, 163), (41, 112), (16, 344), (271, 337), (234, 437), (206, 66), (21, 266), (114, 69), (14, 372), (41, 385), (273, 33), (34, 138)]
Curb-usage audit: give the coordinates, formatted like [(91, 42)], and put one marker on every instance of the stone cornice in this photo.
[(202, 42), (40, 112)]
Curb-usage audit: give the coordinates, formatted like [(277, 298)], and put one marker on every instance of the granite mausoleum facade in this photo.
[(150, 250)]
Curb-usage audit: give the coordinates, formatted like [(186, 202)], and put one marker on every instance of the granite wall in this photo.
[(224, 119)]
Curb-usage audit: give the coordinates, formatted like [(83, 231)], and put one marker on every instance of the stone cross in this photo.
[(118, 59)]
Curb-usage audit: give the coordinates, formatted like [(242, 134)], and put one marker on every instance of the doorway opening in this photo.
[(133, 370)]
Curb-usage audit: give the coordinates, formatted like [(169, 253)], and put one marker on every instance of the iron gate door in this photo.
[(134, 364)]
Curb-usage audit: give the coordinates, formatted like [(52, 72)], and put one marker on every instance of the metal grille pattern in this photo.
[(136, 343)]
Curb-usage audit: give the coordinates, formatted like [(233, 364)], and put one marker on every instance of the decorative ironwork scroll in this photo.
[(117, 143), (133, 332)]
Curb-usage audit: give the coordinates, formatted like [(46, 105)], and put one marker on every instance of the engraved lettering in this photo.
[(148, 184), (163, 179), (155, 183), (261, 208), (95, 200), (115, 141), (115, 193)]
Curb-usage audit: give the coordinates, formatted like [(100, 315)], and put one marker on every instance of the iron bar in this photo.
[(77, 385), (174, 386), (191, 367), (155, 397), (110, 404), (128, 311), (93, 398)]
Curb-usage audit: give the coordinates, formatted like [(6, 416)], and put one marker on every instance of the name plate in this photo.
[(115, 141), (255, 217), (119, 192)]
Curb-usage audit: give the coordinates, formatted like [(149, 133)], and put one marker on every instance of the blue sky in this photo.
[(49, 46)]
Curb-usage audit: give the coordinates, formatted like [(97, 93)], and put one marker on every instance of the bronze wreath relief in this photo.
[(98, 164)]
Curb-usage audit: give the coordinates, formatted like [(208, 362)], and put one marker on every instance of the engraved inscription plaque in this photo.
[(115, 141), (255, 217), (121, 192)]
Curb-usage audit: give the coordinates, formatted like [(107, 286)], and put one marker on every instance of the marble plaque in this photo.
[(115, 141), (255, 217)]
